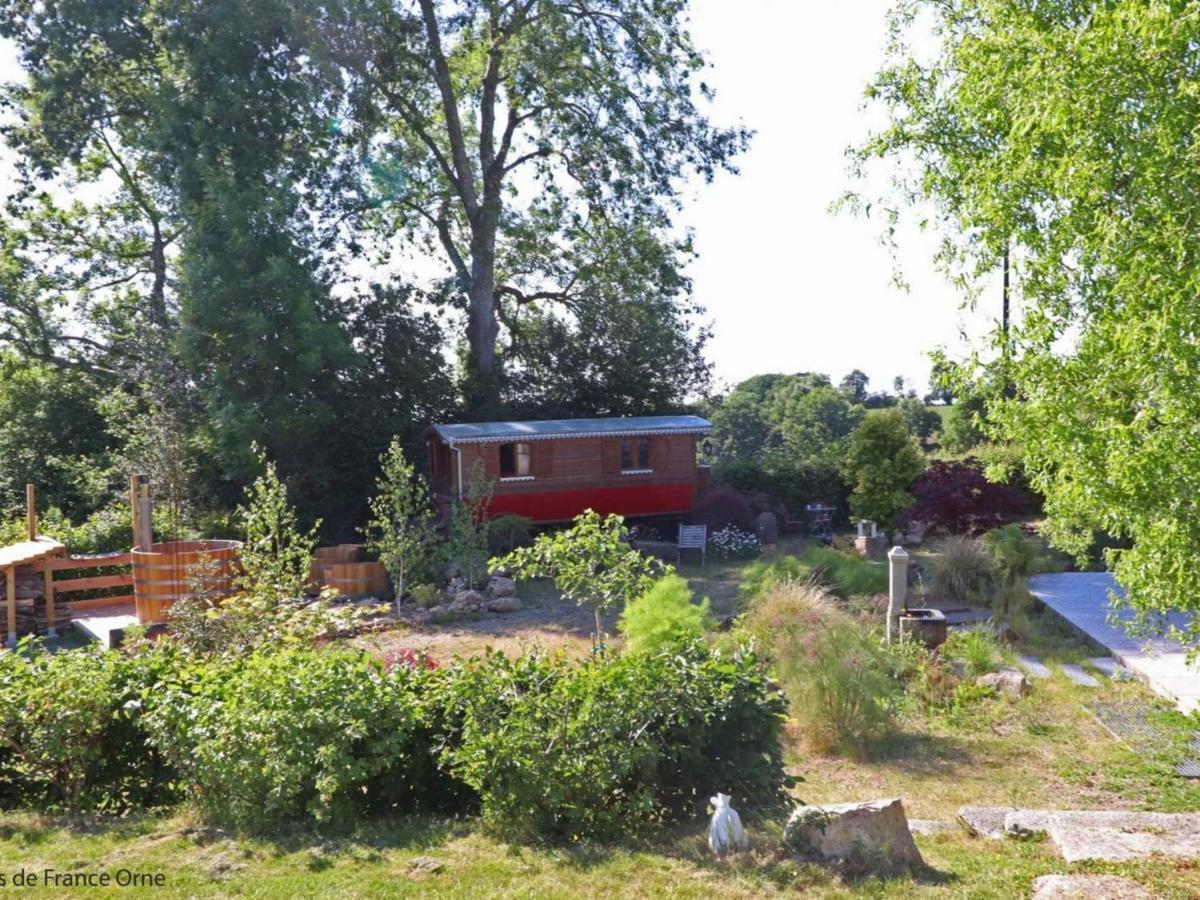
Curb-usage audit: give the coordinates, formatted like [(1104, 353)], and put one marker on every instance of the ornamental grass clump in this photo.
[(843, 574), (963, 570), (841, 683), (977, 648)]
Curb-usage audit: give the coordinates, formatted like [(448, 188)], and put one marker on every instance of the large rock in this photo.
[(504, 604), (1088, 887), (766, 526), (1006, 681), (499, 586), (870, 836), (468, 601)]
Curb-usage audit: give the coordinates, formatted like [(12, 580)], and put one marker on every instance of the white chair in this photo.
[(692, 537)]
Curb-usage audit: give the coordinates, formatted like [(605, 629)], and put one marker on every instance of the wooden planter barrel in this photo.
[(171, 570), (323, 557), (355, 579)]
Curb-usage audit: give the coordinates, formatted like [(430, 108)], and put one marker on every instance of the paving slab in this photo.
[(1111, 835), (1078, 676), (1082, 598), (985, 821), (1110, 668), (105, 624), (1033, 666), (931, 826), (1088, 887)]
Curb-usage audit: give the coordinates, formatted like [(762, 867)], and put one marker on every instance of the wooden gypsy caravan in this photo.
[(551, 471)]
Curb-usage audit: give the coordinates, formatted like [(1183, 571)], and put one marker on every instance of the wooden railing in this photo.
[(92, 583)]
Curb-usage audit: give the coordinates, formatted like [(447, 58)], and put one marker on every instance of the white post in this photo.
[(897, 587)]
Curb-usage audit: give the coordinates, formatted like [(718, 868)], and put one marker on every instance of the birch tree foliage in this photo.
[(1066, 130)]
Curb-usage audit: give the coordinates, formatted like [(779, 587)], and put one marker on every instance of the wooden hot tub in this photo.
[(170, 571)]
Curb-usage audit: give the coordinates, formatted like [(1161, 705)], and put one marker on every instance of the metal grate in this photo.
[(1130, 722)]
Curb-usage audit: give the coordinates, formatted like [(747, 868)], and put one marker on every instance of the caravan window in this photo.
[(514, 460)]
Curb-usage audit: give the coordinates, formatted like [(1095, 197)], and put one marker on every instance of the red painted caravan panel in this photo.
[(561, 506)]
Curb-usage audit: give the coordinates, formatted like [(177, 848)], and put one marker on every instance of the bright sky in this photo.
[(792, 287), (789, 285)]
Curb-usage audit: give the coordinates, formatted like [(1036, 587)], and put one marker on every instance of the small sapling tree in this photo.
[(590, 562), (277, 555), (401, 529), (467, 534)]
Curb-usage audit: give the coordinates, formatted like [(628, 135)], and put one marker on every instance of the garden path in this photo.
[(1082, 598)]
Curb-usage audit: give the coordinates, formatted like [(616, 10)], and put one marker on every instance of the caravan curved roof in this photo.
[(620, 426)]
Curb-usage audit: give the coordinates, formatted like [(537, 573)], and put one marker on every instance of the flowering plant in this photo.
[(732, 542)]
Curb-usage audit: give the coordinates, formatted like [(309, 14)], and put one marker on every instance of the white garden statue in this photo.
[(725, 832)]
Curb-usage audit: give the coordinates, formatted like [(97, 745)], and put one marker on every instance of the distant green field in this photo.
[(942, 411)]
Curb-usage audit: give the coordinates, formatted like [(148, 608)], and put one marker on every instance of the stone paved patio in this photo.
[(1082, 599)]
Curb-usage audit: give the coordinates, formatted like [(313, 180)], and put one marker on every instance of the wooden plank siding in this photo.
[(579, 463)]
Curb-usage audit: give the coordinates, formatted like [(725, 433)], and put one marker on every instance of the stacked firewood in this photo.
[(31, 608)]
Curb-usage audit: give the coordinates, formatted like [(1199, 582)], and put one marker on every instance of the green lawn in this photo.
[(455, 859)]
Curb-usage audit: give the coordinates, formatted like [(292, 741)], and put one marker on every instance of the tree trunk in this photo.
[(483, 327)]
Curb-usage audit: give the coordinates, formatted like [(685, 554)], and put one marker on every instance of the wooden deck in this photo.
[(106, 624), (27, 552)]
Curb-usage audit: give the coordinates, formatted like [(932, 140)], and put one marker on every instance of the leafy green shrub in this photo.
[(842, 684), (978, 649), (71, 730), (796, 481), (466, 545), (204, 625), (587, 751), (426, 595), (299, 735), (295, 735), (508, 532), (845, 574), (104, 531), (663, 615), (1019, 555), (963, 570)]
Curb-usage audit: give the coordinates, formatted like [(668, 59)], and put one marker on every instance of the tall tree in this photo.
[(854, 385), (204, 269), (541, 145), (881, 463), (1066, 131)]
